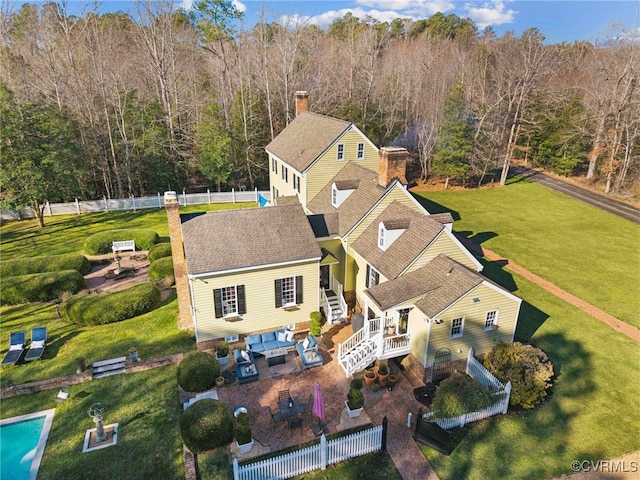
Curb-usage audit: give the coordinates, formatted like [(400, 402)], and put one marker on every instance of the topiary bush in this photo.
[(527, 368), (243, 429), (100, 243), (355, 398), (159, 250), (197, 371), (99, 309), (40, 287), (205, 425), (461, 394), (161, 268), (48, 263), (315, 324)]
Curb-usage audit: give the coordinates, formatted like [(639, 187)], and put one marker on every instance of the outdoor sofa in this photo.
[(264, 342), (308, 351)]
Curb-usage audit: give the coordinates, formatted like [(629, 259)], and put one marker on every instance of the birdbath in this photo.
[(118, 269), (95, 412)]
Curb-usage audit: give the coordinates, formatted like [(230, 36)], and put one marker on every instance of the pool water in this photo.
[(22, 442)]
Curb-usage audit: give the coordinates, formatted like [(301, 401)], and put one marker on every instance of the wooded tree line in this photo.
[(117, 104)]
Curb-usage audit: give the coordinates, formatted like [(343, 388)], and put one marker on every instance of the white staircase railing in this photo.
[(343, 303), (326, 306)]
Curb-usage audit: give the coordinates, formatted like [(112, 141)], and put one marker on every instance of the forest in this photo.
[(160, 98)]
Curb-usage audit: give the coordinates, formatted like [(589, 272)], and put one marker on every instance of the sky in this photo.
[(557, 20)]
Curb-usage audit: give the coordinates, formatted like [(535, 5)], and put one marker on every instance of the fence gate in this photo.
[(442, 366)]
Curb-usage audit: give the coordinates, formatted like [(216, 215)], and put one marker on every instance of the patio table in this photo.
[(287, 411)]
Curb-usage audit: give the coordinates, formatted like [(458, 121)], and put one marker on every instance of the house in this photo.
[(343, 231)]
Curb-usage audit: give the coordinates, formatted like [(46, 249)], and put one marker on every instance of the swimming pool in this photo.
[(22, 442)]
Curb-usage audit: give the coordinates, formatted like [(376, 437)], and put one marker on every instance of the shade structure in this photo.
[(318, 402)]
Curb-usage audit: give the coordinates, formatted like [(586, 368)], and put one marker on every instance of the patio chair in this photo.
[(295, 422), (38, 343), (276, 417), (16, 347), (283, 396)]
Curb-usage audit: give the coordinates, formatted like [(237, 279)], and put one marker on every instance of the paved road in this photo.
[(618, 208)]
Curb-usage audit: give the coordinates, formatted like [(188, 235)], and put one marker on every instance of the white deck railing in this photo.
[(315, 457)]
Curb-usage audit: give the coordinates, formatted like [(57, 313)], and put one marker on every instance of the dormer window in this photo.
[(389, 231), (340, 152), (360, 154), (340, 191)]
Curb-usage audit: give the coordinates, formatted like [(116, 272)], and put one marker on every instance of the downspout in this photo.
[(194, 314), (426, 348)]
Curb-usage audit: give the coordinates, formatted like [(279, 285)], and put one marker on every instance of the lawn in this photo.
[(590, 415), (588, 252), (146, 407)]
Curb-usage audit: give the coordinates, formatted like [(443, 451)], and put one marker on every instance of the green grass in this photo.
[(146, 407), (590, 253), (590, 414)]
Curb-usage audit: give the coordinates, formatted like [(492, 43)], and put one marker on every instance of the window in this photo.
[(275, 195), (274, 165), (288, 291), (334, 195), (296, 183), (340, 152), (381, 231), (491, 320), (229, 301), (403, 314), (360, 155), (373, 277), (457, 326), (232, 338), (285, 173)]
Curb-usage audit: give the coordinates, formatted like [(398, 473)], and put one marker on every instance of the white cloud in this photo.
[(188, 4), (324, 20), (409, 8), (491, 13)]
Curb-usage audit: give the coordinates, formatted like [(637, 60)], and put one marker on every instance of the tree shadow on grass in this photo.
[(434, 207)]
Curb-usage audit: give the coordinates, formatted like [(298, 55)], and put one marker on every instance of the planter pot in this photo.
[(393, 379), (245, 447), (219, 382), (369, 377), (352, 413), (382, 379), (223, 361)]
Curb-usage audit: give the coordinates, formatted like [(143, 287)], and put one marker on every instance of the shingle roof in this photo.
[(324, 225), (231, 239), (357, 204), (421, 231), (443, 217), (437, 285), (305, 138)]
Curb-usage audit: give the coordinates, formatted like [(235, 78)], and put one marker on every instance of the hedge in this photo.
[(161, 268), (461, 394), (205, 425), (49, 263), (40, 287), (100, 243), (159, 250), (197, 371), (98, 309)]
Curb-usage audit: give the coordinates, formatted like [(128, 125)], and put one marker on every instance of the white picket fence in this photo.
[(477, 371), (311, 458), (78, 207)]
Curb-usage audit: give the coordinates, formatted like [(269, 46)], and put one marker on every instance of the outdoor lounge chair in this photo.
[(38, 343), (16, 347)]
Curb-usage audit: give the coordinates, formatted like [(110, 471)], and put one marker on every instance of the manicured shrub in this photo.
[(205, 425), (356, 383), (40, 287), (527, 368), (315, 324), (48, 263), (159, 250), (355, 398), (460, 394), (100, 243), (98, 309), (243, 429), (161, 268), (197, 371)]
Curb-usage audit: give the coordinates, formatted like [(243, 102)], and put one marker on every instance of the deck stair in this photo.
[(337, 314), (360, 356), (112, 366)]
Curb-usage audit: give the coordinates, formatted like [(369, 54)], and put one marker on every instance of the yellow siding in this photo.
[(335, 247), (327, 166), (361, 278), (418, 329), (260, 297), (285, 189), (443, 244), (474, 313)]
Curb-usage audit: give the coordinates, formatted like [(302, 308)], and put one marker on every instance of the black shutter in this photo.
[(367, 279), (242, 304), (299, 290), (278, 293), (217, 298), (376, 278)]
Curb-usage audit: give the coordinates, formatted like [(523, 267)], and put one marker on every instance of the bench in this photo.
[(123, 245)]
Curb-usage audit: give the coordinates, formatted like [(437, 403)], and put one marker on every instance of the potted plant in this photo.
[(383, 374), (220, 381), (222, 353), (369, 376), (354, 402), (244, 440), (315, 325)]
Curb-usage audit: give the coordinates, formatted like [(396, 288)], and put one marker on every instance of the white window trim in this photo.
[(222, 300), (293, 289), (494, 323), (381, 236), (334, 196), (360, 154), (232, 338), (274, 165), (285, 174), (457, 335), (372, 277), (296, 183), (340, 154)]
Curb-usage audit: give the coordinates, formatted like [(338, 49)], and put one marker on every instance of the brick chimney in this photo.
[(302, 102), (185, 320), (392, 166)]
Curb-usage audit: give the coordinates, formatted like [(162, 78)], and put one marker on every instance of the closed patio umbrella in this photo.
[(318, 406)]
